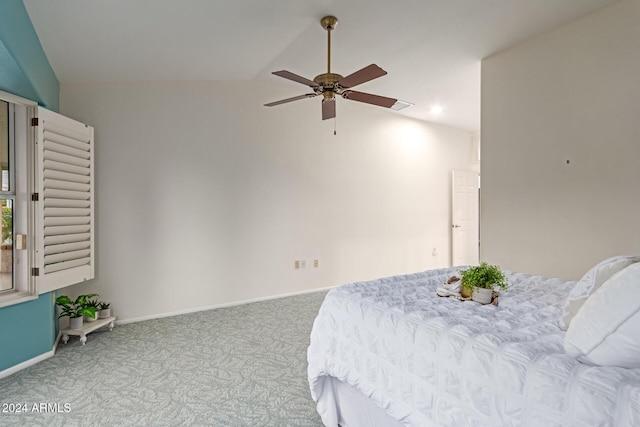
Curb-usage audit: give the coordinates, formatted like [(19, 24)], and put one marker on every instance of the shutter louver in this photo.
[(65, 220)]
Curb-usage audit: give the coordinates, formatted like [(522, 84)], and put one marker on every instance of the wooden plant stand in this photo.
[(87, 328)]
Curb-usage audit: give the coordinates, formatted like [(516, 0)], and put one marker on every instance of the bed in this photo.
[(390, 352)]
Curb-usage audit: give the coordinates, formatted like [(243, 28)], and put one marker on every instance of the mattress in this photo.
[(431, 361)]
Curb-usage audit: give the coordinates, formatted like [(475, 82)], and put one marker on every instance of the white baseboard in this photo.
[(212, 307), (20, 366)]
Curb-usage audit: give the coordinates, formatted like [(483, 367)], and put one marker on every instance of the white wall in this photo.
[(204, 197), (573, 95)]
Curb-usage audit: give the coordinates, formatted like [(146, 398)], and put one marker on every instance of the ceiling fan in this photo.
[(330, 84)]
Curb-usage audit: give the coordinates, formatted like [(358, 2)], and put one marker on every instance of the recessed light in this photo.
[(399, 105), (436, 110)]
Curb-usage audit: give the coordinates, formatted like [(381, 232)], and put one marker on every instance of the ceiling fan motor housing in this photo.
[(327, 81)]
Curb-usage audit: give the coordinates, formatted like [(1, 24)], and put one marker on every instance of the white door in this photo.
[(465, 213)]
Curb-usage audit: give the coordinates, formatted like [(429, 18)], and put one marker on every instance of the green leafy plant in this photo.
[(484, 276), (93, 303), (76, 308), (103, 305)]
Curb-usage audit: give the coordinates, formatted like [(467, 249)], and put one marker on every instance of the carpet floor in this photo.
[(237, 366)]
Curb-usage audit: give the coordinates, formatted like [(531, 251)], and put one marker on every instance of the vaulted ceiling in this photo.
[(431, 48)]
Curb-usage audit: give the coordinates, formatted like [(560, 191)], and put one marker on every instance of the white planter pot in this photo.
[(91, 319), (482, 295), (75, 322), (104, 313)]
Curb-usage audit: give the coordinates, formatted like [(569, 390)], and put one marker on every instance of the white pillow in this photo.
[(606, 330), (591, 282)]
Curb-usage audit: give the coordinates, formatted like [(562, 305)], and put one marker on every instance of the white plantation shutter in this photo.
[(64, 182)]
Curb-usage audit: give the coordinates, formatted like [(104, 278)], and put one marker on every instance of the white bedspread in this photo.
[(431, 361)]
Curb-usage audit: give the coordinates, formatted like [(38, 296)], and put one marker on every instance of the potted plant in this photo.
[(482, 280), (93, 303), (105, 310), (75, 309)]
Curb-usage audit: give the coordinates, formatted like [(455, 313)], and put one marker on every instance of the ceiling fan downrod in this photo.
[(329, 23), (327, 81)]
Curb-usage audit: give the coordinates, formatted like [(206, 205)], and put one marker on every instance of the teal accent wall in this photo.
[(27, 330), (12, 79), (24, 67)]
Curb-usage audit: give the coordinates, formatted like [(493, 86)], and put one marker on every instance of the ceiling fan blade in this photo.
[(364, 75), (368, 98), (328, 108), (295, 98), (296, 78)]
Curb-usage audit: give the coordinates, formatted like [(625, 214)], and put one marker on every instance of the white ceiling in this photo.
[(430, 48)]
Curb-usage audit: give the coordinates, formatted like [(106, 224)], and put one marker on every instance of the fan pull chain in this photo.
[(335, 119)]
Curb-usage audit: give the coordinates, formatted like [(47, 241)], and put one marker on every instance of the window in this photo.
[(46, 201), (7, 196), (15, 283)]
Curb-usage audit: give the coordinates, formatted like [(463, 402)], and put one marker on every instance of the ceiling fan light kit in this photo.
[(331, 84)]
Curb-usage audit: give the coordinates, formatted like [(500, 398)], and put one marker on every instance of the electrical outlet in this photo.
[(315, 263), (296, 264)]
